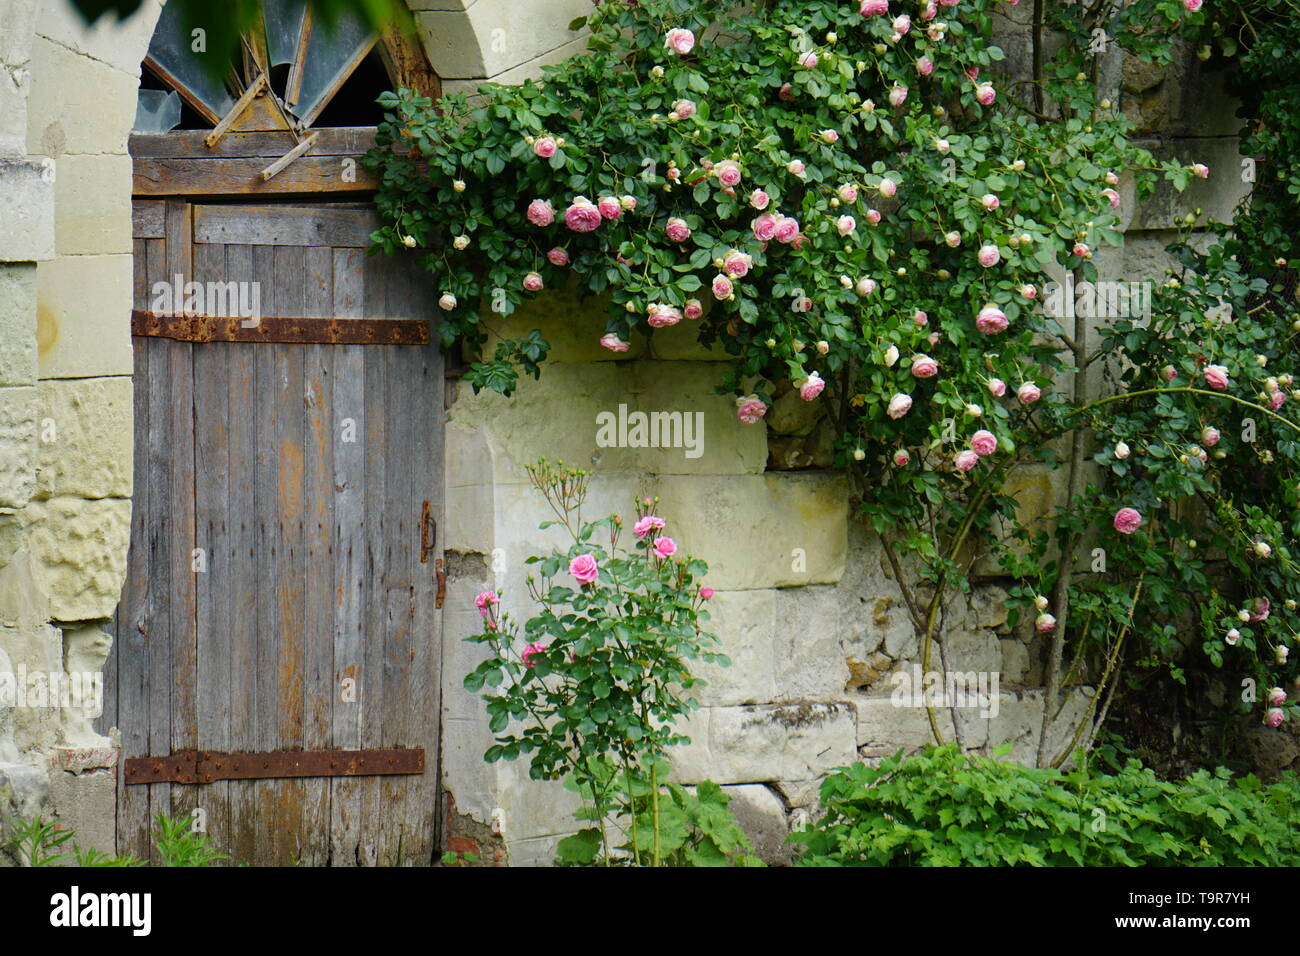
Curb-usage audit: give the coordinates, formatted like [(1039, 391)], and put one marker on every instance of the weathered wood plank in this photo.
[(285, 225), (216, 177), (180, 144), (148, 221)]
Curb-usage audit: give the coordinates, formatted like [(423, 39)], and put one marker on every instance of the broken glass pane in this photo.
[(179, 54), (283, 19), (333, 50), (157, 111)]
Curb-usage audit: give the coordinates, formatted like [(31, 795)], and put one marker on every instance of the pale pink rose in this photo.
[(931, 11), (1209, 436), (811, 387), (1216, 376), (532, 652), (693, 309), (1111, 178), (647, 524), (447, 302), (888, 187), (873, 8), (991, 320), (985, 94), (665, 547), (706, 592), (545, 147), (582, 216), (997, 387), (1277, 696), (661, 316), (1081, 250), (613, 342), (966, 460), (1029, 290), (972, 71), (1259, 610), (674, 173), (1277, 401), (873, 216), (677, 230), (924, 367), (1045, 624), (1232, 637), (1191, 6), (845, 225), (728, 173), (865, 286), (684, 108), (680, 41), (1169, 373), (983, 442), (737, 264), (584, 568), (1274, 716), (920, 318), (750, 409), (795, 167), (540, 213), (924, 66), (759, 199), (829, 137), (1127, 520), (934, 339), (722, 288), (898, 94), (901, 458), (558, 257), (848, 193), (1028, 393), (900, 405), (1112, 197), (1200, 170), (610, 208), (809, 60), (902, 24), (988, 255), (786, 230), (952, 239), (764, 226), (627, 202), (990, 201), (533, 282)]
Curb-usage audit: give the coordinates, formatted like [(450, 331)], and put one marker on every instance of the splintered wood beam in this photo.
[(289, 157), (293, 88), (240, 105)]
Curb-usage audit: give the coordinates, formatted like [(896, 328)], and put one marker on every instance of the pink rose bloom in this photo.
[(665, 547), (997, 387), (985, 94), (540, 213), (925, 66), (1112, 178), (545, 147), (1216, 376), (1201, 170), (902, 24), (830, 137), (722, 288), (531, 652), (900, 405), (1209, 436), (1169, 373), (663, 315), (706, 592), (1081, 250), (693, 309), (988, 255), (991, 320), (584, 568), (1274, 716), (684, 108), (647, 524), (865, 286), (787, 229), (485, 599), (1045, 624), (966, 460), (728, 173), (934, 338), (983, 442), (809, 60), (613, 342), (845, 225), (759, 199), (1232, 637), (897, 95), (847, 193), (888, 187), (765, 226), (1191, 6), (750, 409), (610, 208), (1029, 290), (677, 230), (920, 318), (1277, 697), (901, 458), (795, 167), (1028, 393), (582, 216), (972, 71), (1127, 520), (679, 41), (990, 201), (558, 257), (1277, 401), (1112, 197), (873, 216), (924, 367), (811, 387), (931, 11), (1259, 610), (952, 239), (873, 8), (533, 282), (627, 202), (737, 264)]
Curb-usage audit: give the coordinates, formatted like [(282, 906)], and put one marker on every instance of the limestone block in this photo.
[(974, 650), (884, 727), (80, 549), (533, 808), (118, 43), (92, 211), (791, 415), (28, 190), (19, 17), (86, 803), (79, 336), (570, 322), (782, 742), (17, 446), (77, 103), (761, 814), (761, 531), (745, 623), (24, 790), (1015, 662), (34, 653), (17, 324), (1216, 196), (86, 437), (14, 83), (811, 663), (494, 36), (21, 602)]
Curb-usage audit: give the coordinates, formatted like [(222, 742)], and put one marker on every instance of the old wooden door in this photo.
[(284, 557)]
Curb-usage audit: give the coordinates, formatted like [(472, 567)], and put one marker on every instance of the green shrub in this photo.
[(945, 808)]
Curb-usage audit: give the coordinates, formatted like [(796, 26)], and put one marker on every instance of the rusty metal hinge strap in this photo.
[(207, 766), (225, 328)]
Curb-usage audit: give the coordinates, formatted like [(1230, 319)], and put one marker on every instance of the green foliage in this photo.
[(943, 808), (39, 843), (179, 845)]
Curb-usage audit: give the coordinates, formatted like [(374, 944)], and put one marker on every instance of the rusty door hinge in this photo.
[(428, 534), (206, 766), (441, 570)]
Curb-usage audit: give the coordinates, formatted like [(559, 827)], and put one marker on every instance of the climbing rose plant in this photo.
[(849, 201)]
